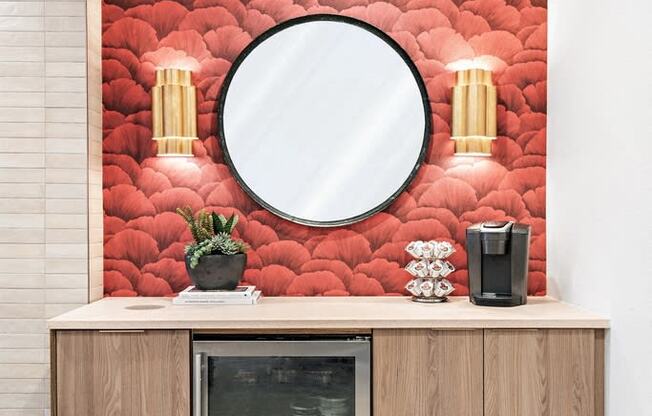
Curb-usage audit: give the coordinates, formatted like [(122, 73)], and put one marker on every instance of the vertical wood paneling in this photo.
[(420, 372), (94, 114), (545, 372)]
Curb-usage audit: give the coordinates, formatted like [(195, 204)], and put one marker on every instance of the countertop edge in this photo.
[(334, 324), (334, 313)]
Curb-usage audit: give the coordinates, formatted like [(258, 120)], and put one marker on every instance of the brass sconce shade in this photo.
[(474, 112), (174, 112)]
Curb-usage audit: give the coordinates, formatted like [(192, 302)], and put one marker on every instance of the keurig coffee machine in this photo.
[(498, 263)]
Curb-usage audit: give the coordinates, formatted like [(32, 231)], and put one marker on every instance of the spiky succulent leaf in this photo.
[(217, 224), (230, 224), (195, 229), (242, 246), (185, 213), (223, 225), (222, 219), (205, 225)]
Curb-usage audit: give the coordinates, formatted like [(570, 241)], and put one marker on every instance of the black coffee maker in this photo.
[(498, 254)]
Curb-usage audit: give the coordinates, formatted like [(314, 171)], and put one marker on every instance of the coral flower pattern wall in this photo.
[(144, 238)]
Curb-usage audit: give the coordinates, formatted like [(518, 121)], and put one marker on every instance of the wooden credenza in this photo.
[(132, 356), (416, 372)]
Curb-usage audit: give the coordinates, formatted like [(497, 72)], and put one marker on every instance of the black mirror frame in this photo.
[(336, 18)]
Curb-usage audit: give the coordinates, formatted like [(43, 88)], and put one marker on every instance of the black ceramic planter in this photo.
[(217, 272)]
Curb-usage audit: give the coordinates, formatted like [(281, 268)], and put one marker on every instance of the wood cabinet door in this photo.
[(422, 372), (540, 372), (122, 373)]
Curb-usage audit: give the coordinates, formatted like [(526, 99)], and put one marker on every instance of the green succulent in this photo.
[(212, 234), (201, 227), (223, 225), (221, 243)]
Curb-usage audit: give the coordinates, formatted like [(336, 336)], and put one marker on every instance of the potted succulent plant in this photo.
[(215, 260)]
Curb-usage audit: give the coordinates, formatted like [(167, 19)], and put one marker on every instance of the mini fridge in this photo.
[(281, 376)]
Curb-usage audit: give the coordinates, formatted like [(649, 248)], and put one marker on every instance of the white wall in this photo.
[(43, 189), (600, 180)]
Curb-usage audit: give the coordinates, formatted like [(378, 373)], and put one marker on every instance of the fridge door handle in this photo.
[(200, 385)]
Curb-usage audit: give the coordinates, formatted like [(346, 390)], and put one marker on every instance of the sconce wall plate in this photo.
[(474, 112), (174, 112)]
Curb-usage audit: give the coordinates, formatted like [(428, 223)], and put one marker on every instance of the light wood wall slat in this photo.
[(44, 182)]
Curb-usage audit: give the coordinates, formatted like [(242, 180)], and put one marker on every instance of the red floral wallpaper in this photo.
[(144, 239)]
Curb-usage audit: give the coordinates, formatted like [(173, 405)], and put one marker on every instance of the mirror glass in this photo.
[(324, 120)]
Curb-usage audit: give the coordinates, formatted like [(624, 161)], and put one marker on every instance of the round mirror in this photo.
[(324, 120)]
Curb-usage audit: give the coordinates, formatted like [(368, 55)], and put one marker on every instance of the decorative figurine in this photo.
[(430, 269)]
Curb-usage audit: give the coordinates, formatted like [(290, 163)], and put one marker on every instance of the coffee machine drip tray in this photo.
[(496, 270)]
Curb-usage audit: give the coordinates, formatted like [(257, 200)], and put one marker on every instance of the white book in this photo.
[(239, 292), (251, 300)]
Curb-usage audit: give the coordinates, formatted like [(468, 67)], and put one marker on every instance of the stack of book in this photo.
[(242, 295)]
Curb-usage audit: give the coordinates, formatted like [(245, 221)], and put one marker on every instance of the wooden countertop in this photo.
[(324, 313)]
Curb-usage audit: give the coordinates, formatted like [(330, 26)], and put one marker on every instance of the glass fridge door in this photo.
[(282, 378)]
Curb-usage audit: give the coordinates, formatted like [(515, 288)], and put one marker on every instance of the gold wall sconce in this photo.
[(174, 112), (474, 112)]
